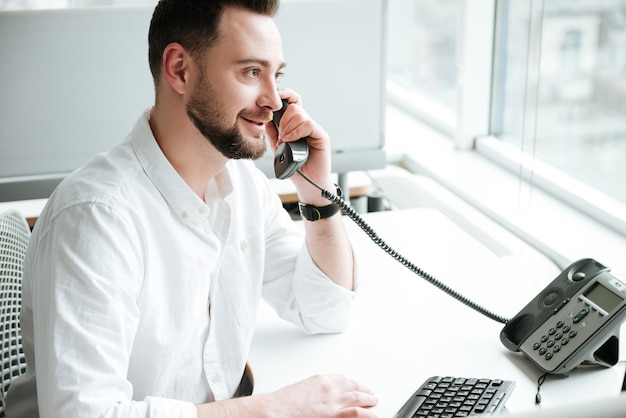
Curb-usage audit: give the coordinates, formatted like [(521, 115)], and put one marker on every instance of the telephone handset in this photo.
[(290, 156), (574, 321)]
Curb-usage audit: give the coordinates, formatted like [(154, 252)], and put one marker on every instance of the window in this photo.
[(421, 47), (539, 94), (560, 86)]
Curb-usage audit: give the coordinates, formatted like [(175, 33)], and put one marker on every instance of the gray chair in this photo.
[(14, 236)]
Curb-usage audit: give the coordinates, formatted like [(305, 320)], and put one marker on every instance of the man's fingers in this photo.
[(358, 398)]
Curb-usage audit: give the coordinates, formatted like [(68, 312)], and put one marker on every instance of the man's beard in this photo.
[(204, 111)]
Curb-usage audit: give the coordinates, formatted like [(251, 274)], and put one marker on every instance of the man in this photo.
[(146, 268)]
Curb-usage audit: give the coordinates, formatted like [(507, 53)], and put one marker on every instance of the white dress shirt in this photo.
[(139, 299)]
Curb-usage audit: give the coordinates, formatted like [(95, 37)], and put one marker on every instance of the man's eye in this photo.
[(279, 76), (253, 72)]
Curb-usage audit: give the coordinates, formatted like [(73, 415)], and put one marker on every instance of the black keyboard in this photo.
[(442, 397)]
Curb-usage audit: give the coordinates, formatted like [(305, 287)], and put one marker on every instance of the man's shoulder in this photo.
[(100, 181)]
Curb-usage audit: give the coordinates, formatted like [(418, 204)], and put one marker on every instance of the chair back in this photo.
[(14, 236)]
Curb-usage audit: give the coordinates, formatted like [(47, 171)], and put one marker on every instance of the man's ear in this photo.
[(176, 65)]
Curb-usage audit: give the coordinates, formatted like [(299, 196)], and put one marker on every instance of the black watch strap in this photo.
[(315, 213)]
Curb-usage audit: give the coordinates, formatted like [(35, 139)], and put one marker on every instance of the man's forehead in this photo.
[(250, 36)]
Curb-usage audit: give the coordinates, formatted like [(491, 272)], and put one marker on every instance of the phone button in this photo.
[(580, 315)]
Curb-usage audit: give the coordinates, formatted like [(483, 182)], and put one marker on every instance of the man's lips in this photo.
[(256, 122), (255, 126)]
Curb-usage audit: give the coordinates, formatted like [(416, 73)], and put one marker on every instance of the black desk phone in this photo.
[(574, 321)]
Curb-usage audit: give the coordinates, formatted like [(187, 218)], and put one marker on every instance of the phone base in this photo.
[(575, 321), (549, 301)]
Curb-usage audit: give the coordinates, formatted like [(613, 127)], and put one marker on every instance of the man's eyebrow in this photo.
[(261, 62)]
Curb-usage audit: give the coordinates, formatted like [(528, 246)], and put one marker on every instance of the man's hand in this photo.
[(296, 124), (327, 396), (322, 396)]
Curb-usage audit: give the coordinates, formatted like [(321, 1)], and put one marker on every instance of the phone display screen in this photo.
[(603, 297)]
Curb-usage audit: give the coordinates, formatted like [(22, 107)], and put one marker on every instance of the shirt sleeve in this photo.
[(295, 287), (84, 285), (324, 305)]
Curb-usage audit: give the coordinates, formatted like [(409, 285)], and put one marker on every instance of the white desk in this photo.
[(405, 330)]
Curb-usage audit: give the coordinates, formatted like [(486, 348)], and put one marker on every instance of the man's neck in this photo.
[(192, 155)]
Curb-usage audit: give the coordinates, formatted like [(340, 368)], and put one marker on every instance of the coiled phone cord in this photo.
[(350, 212)]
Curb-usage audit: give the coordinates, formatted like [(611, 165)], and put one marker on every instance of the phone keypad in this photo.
[(554, 340)]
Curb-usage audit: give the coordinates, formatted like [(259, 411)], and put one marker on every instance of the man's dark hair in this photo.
[(193, 24)]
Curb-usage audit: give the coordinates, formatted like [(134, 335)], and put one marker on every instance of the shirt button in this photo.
[(243, 245), (215, 378), (202, 211), (207, 230), (184, 215)]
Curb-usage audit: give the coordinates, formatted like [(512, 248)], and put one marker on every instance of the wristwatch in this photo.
[(315, 213)]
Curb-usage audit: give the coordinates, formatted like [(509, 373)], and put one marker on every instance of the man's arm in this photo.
[(326, 239), (330, 248)]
